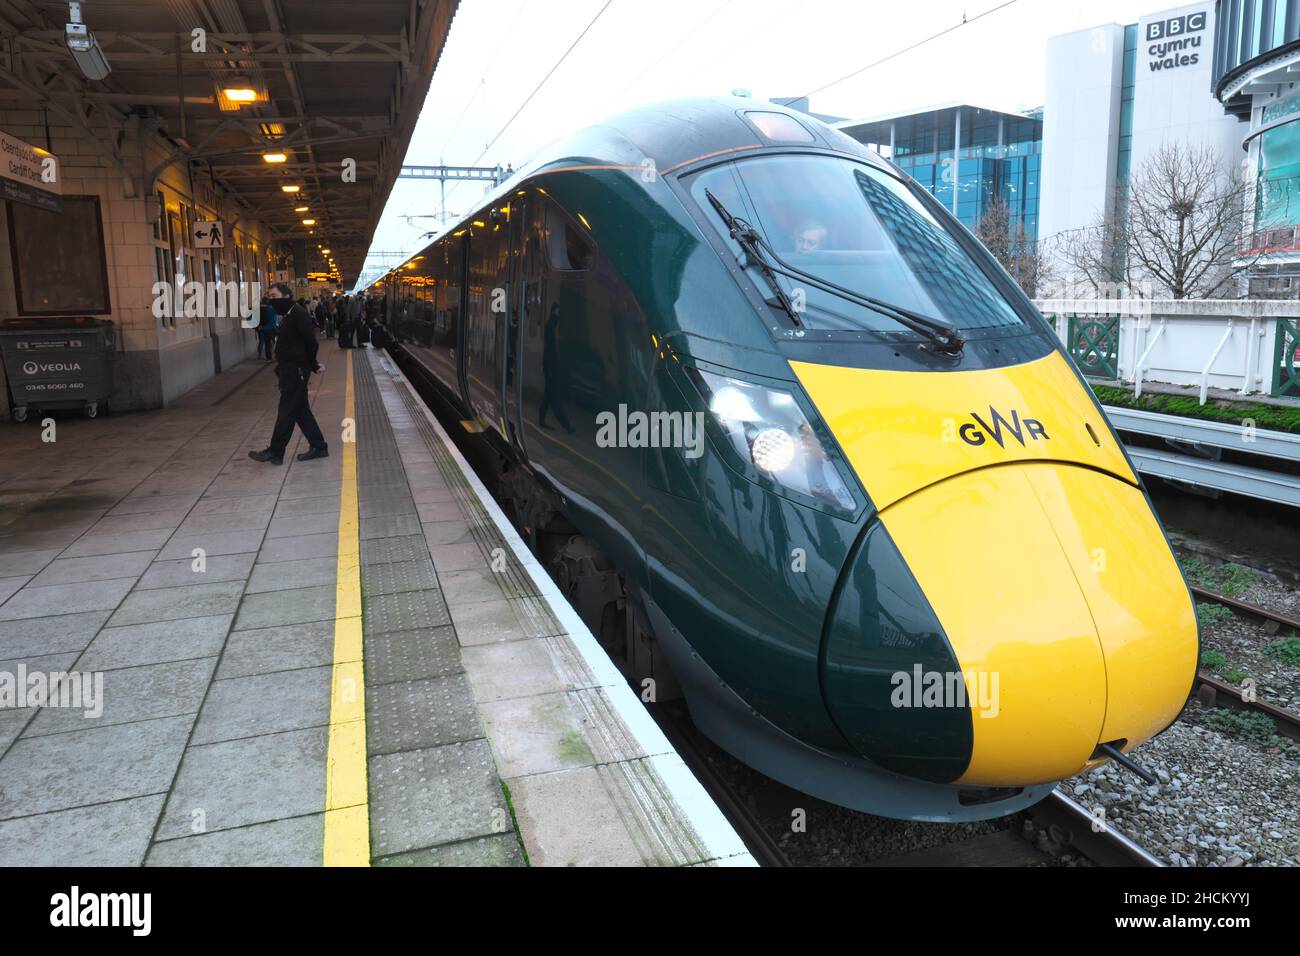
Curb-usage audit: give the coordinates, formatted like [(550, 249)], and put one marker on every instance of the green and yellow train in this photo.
[(798, 449)]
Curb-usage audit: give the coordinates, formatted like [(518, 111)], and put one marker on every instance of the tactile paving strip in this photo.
[(387, 505), (532, 610), (421, 798), (411, 655), (390, 526), (412, 714), (392, 577), (381, 470), (405, 611), (410, 547)]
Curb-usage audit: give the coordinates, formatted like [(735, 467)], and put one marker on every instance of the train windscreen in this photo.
[(859, 228)]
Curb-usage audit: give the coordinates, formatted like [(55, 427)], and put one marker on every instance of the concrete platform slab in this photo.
[(175, 603), (156, 643), (76, 570), (292, 606), (106, 834), (213, 569), (286, 647), (296, 841), (85, 767), (130, 694), (261, 704), (246, 781)]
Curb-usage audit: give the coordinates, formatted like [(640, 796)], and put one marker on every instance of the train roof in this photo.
[(675, 133)]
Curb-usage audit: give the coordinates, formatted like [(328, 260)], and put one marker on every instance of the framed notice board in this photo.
[(58, 258)]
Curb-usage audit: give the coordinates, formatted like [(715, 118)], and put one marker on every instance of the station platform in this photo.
[(347, 661)]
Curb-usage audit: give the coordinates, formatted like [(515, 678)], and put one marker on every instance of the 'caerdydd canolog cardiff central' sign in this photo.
[(29, 174)]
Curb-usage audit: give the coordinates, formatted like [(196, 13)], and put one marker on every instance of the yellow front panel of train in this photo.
[(988, 559), (903, 431), (1144, 615)]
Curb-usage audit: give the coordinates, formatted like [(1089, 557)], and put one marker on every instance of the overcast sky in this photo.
[(639, 52)]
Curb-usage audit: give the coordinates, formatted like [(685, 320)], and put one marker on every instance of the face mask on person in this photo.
[(282, 306)]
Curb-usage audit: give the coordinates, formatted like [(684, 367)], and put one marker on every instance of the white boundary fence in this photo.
[(1226, 344)]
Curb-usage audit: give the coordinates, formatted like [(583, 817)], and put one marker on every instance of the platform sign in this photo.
[(209, 234), (29, 174)]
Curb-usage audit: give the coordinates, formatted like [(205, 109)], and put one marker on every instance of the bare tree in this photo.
[(1174, 230), (1094, 258), (1006, 239)]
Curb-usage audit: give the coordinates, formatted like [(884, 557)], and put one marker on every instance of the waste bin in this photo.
[(57, 364)]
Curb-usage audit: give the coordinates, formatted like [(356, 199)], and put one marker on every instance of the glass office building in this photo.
[(967, 156), (1256, 65)]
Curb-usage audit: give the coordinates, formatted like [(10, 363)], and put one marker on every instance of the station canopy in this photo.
[(270, 93)]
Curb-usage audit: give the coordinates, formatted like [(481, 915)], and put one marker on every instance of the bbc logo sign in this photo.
[(1176, 26)]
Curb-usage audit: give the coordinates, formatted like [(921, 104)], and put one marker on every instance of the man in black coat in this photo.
[(345, 322), (295, 360)]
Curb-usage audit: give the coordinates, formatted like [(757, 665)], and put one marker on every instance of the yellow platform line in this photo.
[(347, 798)]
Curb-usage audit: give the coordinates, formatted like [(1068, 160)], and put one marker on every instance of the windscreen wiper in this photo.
[(943, 335), (745, 236)]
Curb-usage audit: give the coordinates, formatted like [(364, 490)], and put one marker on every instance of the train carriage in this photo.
[(798, 449)]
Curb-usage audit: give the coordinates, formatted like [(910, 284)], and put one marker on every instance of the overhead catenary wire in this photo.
[(482, 80), (675, 47), (536, 89), (908, 49)]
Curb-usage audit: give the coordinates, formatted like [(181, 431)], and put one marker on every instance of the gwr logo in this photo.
[(979, 431)]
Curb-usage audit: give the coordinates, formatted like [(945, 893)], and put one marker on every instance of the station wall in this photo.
[(147, 239)]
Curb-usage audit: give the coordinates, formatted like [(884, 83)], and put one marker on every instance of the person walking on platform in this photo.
[(345, 322), (295, 360), (357, 314), (321, 314), (266, 330)]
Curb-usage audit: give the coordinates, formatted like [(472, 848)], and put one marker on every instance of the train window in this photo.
[(567, 249), (857, 227), (779, 128)]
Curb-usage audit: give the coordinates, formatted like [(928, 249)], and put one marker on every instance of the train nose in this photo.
[(998, 625)]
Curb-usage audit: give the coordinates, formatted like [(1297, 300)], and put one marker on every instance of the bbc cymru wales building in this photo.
[(1114, 95)]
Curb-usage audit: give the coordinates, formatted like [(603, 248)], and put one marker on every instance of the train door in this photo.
[(486, 277), (524, 292), (458, 268)]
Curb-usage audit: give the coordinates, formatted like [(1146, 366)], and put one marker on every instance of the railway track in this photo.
[(1213, 692), (1069, 824), (1066, 822)]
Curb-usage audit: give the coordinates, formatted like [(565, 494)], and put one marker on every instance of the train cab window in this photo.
[(859, 228), (567, 249)]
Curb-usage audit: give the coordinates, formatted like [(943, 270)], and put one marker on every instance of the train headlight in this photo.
[(773, 450), (769, 432)]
